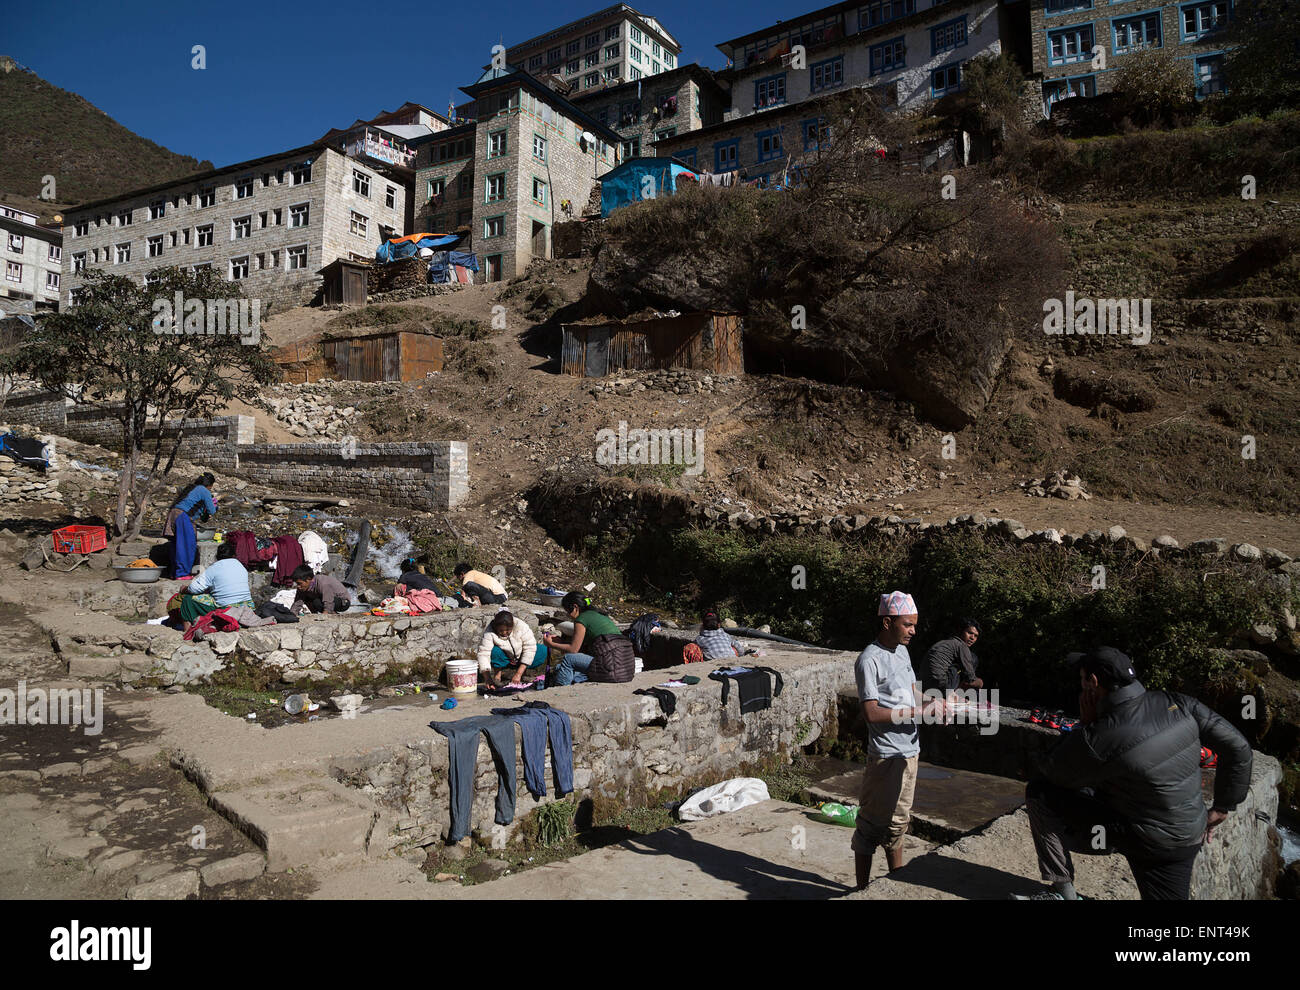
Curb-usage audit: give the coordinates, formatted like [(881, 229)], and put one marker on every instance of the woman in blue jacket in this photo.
[(180, 524)]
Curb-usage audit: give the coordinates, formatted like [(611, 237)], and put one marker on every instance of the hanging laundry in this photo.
[(462, 756), (667, 700), (288, 557), (315, 554), (755, 686)]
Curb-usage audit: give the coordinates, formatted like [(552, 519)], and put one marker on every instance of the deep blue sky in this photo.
[(279, 74)]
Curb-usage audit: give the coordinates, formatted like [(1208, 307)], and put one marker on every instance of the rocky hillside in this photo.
[(45, 130)]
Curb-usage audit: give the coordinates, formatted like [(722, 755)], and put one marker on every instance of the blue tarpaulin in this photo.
[(443, 264), (640, 178), (409, 246)]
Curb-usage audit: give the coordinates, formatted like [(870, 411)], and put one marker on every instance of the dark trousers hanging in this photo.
[(462, 756), (754, 685)]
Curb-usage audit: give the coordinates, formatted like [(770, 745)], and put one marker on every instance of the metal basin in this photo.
[(138, 575)]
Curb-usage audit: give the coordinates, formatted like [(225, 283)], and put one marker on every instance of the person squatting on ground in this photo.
[(612, 658), (890, 703), (951, 664), (319, 592), (478, 588), (1128, 780), (509, 649)]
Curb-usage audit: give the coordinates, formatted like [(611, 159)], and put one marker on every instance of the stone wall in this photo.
[(311, 648), (432, 475), (429, 475), (623, 508), (22, 484), (624, 749)]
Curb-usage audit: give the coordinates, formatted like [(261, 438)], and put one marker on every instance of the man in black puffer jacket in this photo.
[(1128, 780)]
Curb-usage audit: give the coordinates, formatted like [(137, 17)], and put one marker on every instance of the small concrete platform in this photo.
[(948, 804)]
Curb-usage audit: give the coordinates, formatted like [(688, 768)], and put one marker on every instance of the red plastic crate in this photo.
[(80, 539)]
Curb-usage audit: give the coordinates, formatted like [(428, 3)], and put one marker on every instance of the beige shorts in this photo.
[(885, 803)]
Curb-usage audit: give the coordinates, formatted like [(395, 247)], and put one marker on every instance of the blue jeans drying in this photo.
[(536, 721), (462, 755), (572, 669)]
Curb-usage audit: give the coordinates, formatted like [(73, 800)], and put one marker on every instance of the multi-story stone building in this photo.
[(33, 264), (529, 159), (1078, 44), (271, 224), (612, 46), (682, 99), (908, 51)]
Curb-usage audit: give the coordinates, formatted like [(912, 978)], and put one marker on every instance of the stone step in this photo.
[(299, 821), (127, 667)]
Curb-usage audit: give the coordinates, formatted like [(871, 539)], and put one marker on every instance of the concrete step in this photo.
[(299, 821), (948, 803), (126, 667)]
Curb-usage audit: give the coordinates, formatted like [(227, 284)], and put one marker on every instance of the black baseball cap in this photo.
[(1104, 658)]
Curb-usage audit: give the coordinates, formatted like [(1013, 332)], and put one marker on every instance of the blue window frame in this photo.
[(1051, 7), (948, 35), (945, 79), (1196, 20), (1056, 90), (827, 74), (888, 55), (815, 132), (1209, 75), (1138, 31), (725, 155), (1070, 44), (879, 12), (686, 155), (769, 92), (769, 145)]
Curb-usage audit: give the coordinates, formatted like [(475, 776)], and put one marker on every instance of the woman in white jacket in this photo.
[(507, 650)]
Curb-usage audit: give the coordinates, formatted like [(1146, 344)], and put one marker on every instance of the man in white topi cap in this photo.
[(891, 701)]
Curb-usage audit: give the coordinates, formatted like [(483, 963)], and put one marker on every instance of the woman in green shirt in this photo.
[(611, 658)]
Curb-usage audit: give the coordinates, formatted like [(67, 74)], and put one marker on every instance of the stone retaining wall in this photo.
[(624, 752), (431, 475), (308, 650)]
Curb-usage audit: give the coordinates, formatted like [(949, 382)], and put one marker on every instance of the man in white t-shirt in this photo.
[(891, 701)]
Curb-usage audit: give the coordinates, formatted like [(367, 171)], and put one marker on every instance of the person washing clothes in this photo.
[(951, 664), (714, 642), (478, 588), (221, 585), (508, 649), (612, 659), (319, 592), (179, 524)]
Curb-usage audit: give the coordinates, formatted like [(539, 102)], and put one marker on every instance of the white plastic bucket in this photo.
[(462, 676)]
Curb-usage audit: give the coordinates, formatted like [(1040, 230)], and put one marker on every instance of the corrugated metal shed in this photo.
[(388, 357), (700, 341)]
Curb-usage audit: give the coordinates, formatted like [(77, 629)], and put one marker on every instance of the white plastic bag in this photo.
[(730, 795)]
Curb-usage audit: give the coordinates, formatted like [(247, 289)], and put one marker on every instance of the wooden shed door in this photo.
[(354, 288), (597, 352)]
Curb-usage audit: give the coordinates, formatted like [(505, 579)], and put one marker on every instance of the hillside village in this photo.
[(666, 335)]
